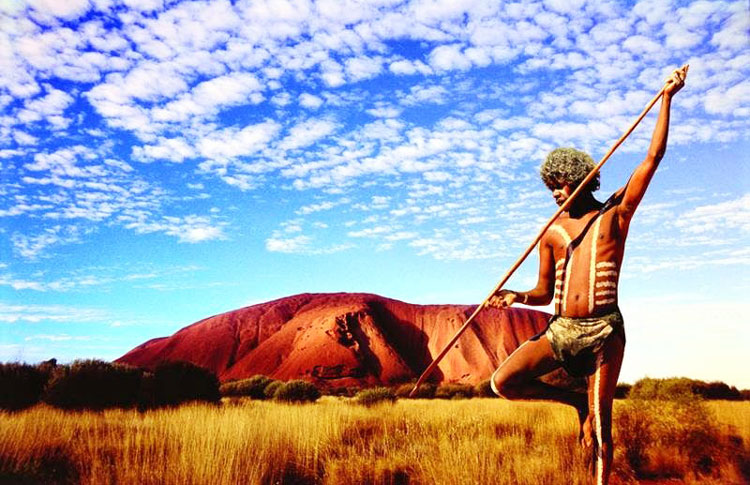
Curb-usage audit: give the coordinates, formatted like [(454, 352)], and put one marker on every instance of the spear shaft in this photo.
[(531, 247)]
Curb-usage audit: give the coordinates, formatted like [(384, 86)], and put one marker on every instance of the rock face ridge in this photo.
[(345, 339)]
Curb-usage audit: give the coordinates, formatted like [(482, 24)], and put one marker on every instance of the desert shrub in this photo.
[(297, 391), (454, 391), (484, 389), (667, 439), (21, 385), (676, 388), (717, 390), (745, 394), (425, 391), (93, 384), (341, 391), (683, 388), (179, 381), (376, 395), (622, 391), (271, 388), (253, 387)]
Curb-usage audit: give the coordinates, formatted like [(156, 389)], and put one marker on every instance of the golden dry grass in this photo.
[(329, 442)]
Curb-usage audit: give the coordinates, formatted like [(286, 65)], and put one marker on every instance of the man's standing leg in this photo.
[(602, 386)]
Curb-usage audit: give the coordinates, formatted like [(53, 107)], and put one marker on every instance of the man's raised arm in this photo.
[(642, 175)]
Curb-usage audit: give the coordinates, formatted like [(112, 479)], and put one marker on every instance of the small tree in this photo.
[(253, 387), (93, 384), (177, 382), (425, 391), (376, 395), (271, 388), (21, 385), (622, 391), (454, 391), (297, 391), (484, 389)]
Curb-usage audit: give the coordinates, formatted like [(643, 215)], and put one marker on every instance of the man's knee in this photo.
[(503, 386)]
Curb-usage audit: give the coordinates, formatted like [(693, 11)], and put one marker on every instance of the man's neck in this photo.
[(583, 204)]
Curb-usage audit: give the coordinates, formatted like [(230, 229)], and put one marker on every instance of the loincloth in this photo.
[(576, 341)]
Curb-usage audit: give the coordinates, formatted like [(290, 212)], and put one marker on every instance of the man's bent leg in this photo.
[(516, 376), (602, 387)]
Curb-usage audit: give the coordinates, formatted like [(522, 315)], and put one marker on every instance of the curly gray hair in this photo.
[(568, 165)]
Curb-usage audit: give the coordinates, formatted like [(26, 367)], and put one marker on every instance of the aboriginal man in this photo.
[(580, 257)]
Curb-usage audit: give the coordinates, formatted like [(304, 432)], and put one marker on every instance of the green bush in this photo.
[(297, 391), (622, 391), (376, 395), (425, 391), (21, 385), (454, 391), (683, 388), (341, 391), (271, 388), (93, 384), (663, 389), (253, 387), (484, 389), (683, 430), (177, 382)]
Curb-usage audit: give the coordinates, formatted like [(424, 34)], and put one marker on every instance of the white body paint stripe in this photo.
[(610, 284), (566, 237), (598, 419), (605, 301), (605, 292), (606, 273), (606, 264), (592, 269)]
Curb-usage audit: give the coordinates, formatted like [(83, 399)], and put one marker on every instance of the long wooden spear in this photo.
[(531, 247)]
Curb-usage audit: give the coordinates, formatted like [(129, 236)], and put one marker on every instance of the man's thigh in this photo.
[(603, 383), (532, 359)]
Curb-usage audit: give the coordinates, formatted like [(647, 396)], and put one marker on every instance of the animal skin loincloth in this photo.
[(576, 341)]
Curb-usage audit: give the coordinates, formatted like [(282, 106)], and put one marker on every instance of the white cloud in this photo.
[(47, 107), (361, 68), (68, 10), (449, 57), (295, 244), (307, 133), (187, 229), (310, 101), (12, 313), (734, 100), (425, 94), (409, 67), (230, 142), (733, 214), (209, 97), (172, 149), (32, 247), (23, 138)]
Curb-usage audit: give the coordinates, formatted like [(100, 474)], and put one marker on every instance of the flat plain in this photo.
[(335, 441)]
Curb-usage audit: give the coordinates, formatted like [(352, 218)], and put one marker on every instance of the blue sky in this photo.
[(162, 162)]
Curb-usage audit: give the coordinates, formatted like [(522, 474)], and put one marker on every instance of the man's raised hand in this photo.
[(676, 81)]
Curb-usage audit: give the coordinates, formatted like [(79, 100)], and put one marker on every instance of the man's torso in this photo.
[(586, 279)]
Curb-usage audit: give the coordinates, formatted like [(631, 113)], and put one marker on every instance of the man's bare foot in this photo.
[(585, 427)]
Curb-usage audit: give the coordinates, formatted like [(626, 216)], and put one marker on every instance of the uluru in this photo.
[(345, 339)]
